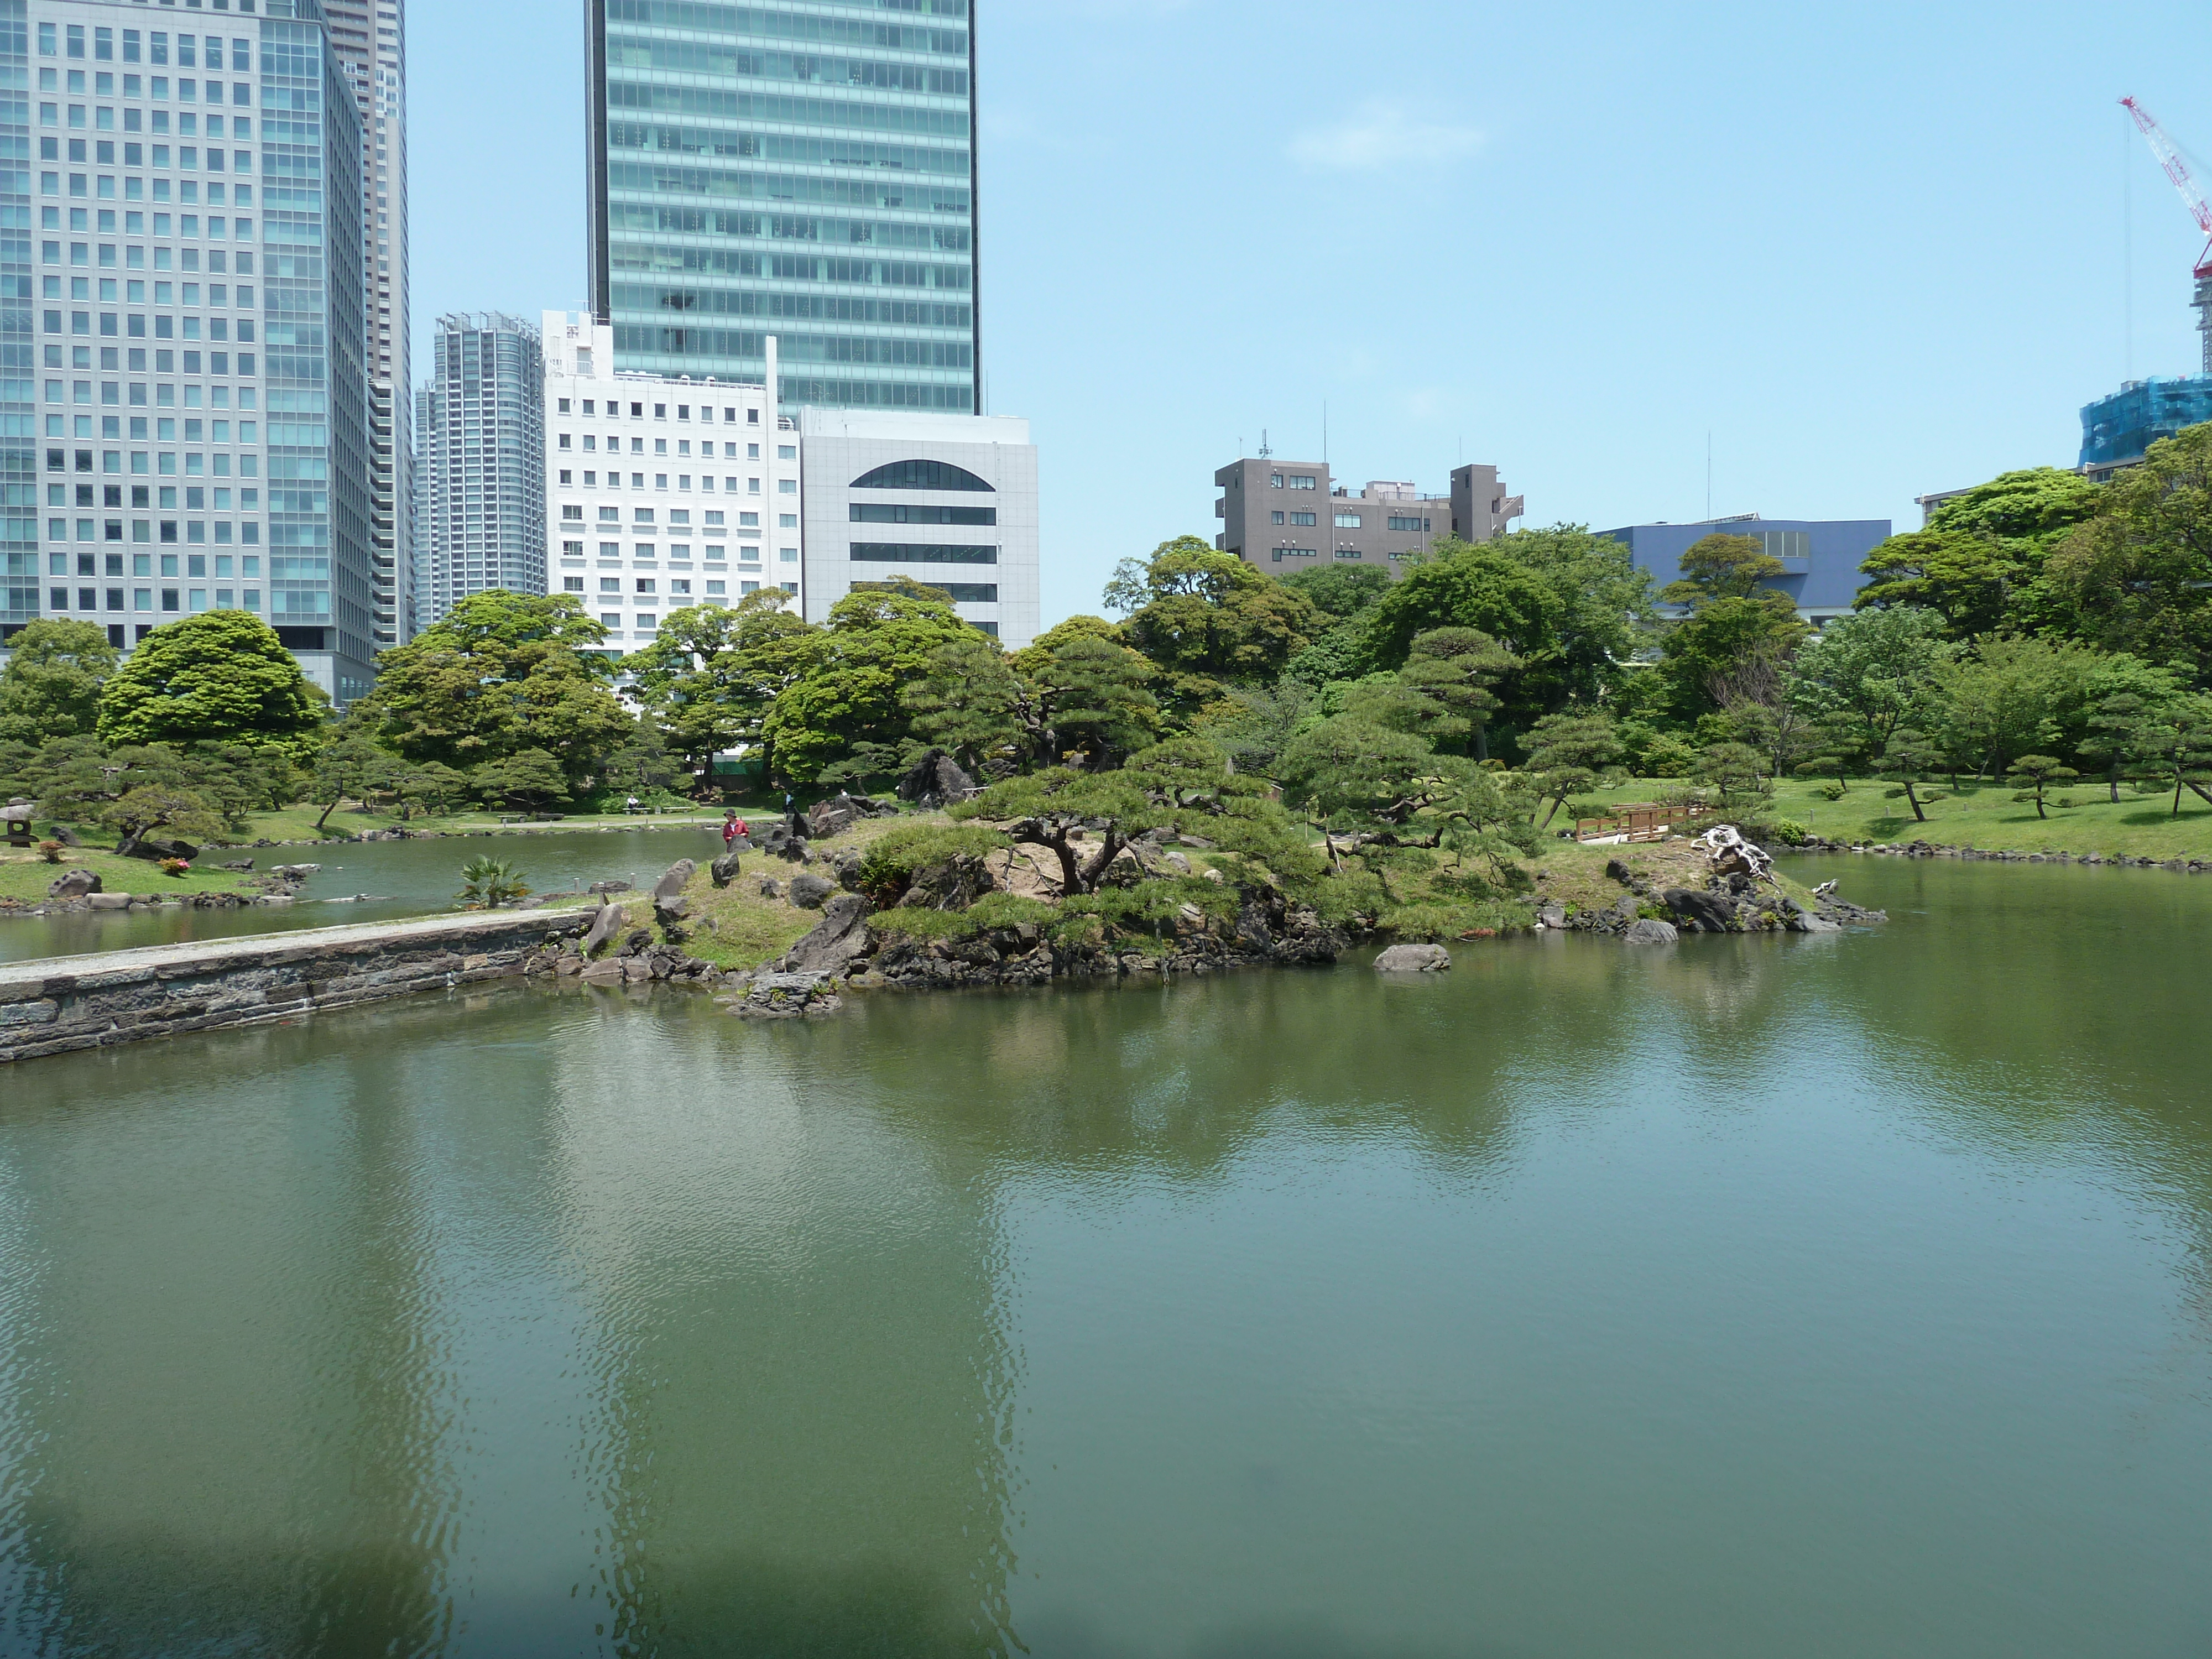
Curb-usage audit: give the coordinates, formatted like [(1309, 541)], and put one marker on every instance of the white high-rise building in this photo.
[(480, 464), (950, 500), (663, 492)]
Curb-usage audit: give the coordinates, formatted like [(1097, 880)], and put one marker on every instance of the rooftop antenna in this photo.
[(1264, 450), (1708, 475)]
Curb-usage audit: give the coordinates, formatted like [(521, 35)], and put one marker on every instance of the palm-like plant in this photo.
[(486, 882)]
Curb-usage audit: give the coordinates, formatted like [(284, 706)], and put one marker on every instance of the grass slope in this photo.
[(25, 876), (1987, 817)]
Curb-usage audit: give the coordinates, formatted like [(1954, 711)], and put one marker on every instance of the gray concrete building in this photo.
[(948, 500), (1286, 516)]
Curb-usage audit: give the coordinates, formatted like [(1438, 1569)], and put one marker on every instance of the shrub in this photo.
[(487, 881), (1790, 830), (887, 868), (2068, 801), (51, 851), (916, 922), (1832, 790), (173, 868)]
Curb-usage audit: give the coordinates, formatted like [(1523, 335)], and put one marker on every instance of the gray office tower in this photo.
[(480, 464), (805, 170), (181, 325), (369, 39)]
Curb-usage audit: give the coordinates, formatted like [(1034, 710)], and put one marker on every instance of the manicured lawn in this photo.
[(25, 876), (1986, 816)]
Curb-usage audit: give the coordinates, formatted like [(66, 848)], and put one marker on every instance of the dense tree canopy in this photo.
[(221, 676), (501, 673), (50, 686), (1194, 611)]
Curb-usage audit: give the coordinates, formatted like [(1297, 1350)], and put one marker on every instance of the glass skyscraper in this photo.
[(190, 408), (805, 170)]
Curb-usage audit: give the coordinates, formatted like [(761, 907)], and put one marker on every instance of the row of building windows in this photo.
[(614, 481), (102, 187), (590, 444), (614, 407), (1298, 481), (145, 462), (165, 328), (132, 292), (101, 152), (196, 567), (171, 598), (144, 530), (104, 222), (678, 550), (142, 496), (156, 41), (1354, 521)]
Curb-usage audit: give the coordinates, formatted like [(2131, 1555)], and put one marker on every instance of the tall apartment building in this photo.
[(195, 339), (1290, 516), (479, 463), (805, 170), (369, 38), (666, 493), (949, 500)]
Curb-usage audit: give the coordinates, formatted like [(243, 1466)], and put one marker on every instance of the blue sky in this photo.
[(1874, 250)]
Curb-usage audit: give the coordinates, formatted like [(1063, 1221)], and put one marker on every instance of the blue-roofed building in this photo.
[(1821, 557), (2117, 430)]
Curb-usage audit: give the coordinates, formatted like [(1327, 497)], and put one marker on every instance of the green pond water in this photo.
[(1838, 1296), (398, 877)]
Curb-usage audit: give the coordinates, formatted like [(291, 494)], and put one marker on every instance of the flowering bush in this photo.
[(173, 868)]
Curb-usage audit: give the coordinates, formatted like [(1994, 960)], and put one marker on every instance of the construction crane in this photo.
[(2170, 160)]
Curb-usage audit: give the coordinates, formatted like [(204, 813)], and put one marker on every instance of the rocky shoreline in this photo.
[(1922, 849)]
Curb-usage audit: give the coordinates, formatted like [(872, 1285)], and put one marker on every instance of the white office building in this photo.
[(663, 492), (948, 500)]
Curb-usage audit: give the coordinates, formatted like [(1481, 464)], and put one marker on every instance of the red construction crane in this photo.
[(2170, 160)]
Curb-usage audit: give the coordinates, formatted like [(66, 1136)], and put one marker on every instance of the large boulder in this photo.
[(934, 781), (1018, 871), (839, 940), (164, 849), (811, 892), (826, 818), (611, 920), (724, 870), (1702, 912), (1413, 959), (679, 873), (74, 884), (952, 884), (1649, 931), (785, 996)]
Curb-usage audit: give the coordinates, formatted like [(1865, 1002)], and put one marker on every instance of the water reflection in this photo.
[(1303, 1313)]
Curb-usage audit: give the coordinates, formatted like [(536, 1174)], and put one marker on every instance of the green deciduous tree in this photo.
[(2137, 576), (877, 642), (2173, 745), (712, 672), (500, 673), (2010, 696), (1195, 611), (50, 686), (218, 676), (1873, 671), (529, 781)]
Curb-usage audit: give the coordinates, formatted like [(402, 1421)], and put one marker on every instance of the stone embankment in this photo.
[(59, 1005), (1922, 850)]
